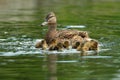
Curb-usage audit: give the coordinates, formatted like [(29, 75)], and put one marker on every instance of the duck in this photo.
[(75, 45), (68, 34), (76, 41), (66, 44), (59, 47), (94, 45), (89, 45), (54, 45), (42, 44)]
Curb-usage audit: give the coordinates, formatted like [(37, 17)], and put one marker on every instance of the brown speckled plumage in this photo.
[(88, 45), (60, 35)]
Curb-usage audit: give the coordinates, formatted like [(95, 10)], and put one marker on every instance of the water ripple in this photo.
[(13, 46)]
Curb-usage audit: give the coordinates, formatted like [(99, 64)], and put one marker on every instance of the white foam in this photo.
[(69, 61), (2, 39), (75, 26), (18, 46), (97, 57), (37, 51), (18, 53)]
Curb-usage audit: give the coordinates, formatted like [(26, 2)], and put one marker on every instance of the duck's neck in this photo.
[(51, 34), (52, 27)]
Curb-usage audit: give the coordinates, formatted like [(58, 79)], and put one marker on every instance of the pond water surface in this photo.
[(20, 29)]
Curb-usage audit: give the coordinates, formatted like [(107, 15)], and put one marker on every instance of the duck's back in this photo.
[(69, 34)]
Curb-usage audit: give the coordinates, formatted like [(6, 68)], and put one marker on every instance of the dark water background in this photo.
[(19, 30)]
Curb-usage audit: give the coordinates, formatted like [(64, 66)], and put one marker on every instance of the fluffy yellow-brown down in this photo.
[(88, 45), (42, 45), (55, 45)]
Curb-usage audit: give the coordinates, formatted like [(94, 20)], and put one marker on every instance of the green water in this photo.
[(19, 30)]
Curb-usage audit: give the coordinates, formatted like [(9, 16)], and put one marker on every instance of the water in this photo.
[(19, 31)]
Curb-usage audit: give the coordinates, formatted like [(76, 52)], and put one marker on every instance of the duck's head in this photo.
[(75, 45), (58, 47), (93, 45), (66, 44), (38, 45), (41, 44), (50, 19), (53, 45), (53, 42)]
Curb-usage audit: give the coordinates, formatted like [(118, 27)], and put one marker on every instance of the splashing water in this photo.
[(13, 46)]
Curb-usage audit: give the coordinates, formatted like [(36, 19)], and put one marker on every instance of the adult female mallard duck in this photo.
[(61, 35)]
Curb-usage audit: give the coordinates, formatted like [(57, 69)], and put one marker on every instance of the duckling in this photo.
[(42, 45), (88, 45), (76, 41), (66, 44), (94, 45), (75, 45), (56, 46), (79, 47), (59, 47), (52, 44), (38, 45)]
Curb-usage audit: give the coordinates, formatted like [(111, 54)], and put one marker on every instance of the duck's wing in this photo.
[(68, 34)]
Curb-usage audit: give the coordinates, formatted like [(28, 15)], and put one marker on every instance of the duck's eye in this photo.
[(47, 18)]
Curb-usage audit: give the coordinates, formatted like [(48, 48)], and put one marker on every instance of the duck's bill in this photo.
[(44, 23)]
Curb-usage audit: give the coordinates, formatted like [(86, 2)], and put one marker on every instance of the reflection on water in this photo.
[(52, 66), (53, 60)]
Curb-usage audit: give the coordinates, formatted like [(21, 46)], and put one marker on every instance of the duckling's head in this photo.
[(76, 45), (50, 19), (52, 44), (44, 45), (66, 44), (59, 47), (41, 44), (93, 45), (53, 41), (38, 45)]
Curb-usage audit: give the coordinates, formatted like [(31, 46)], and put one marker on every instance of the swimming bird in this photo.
[(52, 44), (75, 45), (89, 45), (53, 33), (59, 47), (76, 41), (66, 44), (42, 44), (55, 45)]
